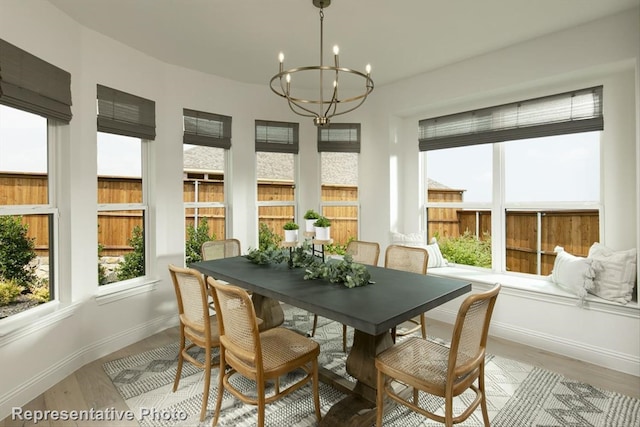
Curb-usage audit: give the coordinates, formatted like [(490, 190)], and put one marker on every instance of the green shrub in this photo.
[(133, 264), (196, 236), (40, 294), (467, 249), (9, 291), (16, 252), (267, 238), (102, 271)]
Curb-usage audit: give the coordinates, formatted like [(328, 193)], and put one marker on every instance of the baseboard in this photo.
[(599, 356), (42, 381)]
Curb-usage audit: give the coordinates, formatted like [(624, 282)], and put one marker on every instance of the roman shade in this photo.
[(277, 137), (30, 84), (208, 129), (569, 112), (124, 114), (339, 137)]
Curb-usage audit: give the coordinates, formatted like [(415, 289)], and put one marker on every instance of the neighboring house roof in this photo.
[(338, 167)]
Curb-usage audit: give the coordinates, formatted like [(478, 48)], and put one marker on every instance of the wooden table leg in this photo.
[(359, 408), (269, 310)]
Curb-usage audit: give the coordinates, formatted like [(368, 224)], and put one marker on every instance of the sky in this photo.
[(559, 168)]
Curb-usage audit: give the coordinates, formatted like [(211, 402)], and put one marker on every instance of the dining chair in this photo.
[(361, 252), (259, 356), (196, 325), (216, 249), (413, 260), (440, 370)]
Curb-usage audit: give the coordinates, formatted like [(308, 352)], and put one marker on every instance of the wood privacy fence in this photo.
[(531, 236)]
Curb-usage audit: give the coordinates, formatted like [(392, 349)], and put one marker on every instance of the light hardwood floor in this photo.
[(90, 388)]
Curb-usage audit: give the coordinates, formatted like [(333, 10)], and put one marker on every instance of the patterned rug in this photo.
[(518, 394)]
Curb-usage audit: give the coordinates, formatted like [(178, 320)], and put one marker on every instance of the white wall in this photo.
[(41, 354), (605, 52)]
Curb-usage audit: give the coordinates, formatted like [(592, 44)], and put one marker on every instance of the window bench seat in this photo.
[(536, 312), (534, 288)]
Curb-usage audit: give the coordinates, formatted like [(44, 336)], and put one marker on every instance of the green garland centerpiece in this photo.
[(345, 271)]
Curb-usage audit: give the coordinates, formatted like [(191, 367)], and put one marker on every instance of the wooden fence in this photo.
[(574, 230)]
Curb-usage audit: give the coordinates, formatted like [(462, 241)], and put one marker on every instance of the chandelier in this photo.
[(328, 104)]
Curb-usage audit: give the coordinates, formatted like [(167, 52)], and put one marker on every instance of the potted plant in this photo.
[(322, 228), (310, 217), (291, 232)]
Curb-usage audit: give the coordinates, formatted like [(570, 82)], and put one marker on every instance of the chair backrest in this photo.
[(192, 296), (406, 258), (364, 252), (216, 249), (238, 325), (471, 330)]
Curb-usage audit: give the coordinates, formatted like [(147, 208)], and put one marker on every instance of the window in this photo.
[(28, 216), (339, 147), (206, 142), (276, 163), (35, 99), (125, 125), (507, 184)]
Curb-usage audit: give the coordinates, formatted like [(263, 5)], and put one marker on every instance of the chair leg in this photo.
[(207, 383), (315, 324), (221, 374), (379, 397), (316, 392), (344, 338), (180, 360), (261, 403), (483, 401)]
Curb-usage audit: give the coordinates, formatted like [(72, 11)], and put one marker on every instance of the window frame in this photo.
[(498, 206), (52, 211)]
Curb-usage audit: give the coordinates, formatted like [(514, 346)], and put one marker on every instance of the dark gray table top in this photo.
[(396, 296)]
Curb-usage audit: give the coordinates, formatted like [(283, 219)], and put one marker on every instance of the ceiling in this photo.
[(241, 39)]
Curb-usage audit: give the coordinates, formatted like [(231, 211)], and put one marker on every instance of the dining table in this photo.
[(391, 298)]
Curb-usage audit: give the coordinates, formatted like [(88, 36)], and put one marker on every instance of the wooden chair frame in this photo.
[(353, 249), (196, 325), (435, 369), (260, 356), (421, 256)]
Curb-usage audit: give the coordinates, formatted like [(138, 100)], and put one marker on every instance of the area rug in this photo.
[(518, 394)]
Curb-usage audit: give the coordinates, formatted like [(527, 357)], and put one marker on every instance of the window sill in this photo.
[(535, 288), (128, 288), (25, 323)]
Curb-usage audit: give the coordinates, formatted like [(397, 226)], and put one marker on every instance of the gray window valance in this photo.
[(339, 137), (569, 112), (28, 83), (125, 114), (277, 137), (208, 129)]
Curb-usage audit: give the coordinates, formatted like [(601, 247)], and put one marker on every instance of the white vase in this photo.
[(290, 235), (309, 227), (323, 233)]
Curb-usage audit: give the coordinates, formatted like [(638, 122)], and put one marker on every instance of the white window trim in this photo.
[(226, 188), (498, 207), (122, 289), (53, 311)]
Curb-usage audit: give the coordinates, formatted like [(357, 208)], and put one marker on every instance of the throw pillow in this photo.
[(435, 256), (417, 240), (615, 273), (572, 273)]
